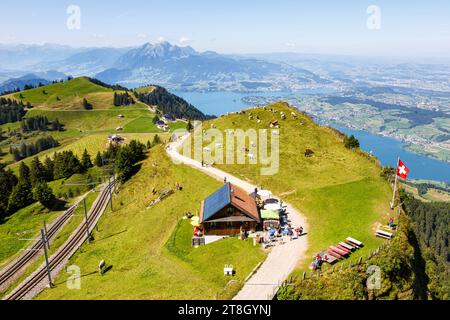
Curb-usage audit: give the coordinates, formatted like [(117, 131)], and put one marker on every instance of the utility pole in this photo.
[(114, 174), (110, 193), (46, 235), (46, 259), (395, 184), (87, 222)]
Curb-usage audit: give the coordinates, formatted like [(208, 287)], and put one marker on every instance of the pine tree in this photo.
[(7, 182), (351, 142), (44, 194), (20, 197), (189, 126), (156, 140), (98, 160), (24, 173), (86, 162), (37, 171), (48, 167)]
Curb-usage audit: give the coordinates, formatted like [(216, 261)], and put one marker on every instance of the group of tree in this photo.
[(169, 103), (126, 158), (31, 183), (66, 163), (123, 99), (431, 221), (105, 85), (28, 187), (40, 123), (28, 149), (11, 110), (351, 142), (430, 226)]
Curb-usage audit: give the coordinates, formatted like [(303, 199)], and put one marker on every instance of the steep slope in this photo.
[(168, 103), (339, 190), (149, 248), (68, 95)]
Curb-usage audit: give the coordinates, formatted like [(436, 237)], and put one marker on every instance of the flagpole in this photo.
[(395, 183)]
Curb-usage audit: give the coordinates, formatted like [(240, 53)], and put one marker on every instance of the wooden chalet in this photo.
[(228, 211)]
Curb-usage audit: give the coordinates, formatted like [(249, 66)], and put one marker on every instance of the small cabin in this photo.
[(229, 211), (115, 139), (169, 117), (162, 125)]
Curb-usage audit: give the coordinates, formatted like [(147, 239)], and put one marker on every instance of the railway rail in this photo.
[(17, 267), (33, 284)]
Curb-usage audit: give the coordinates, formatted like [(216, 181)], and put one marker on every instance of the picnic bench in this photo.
[(383, 234), (326, 257), (338, 250), (346, 245), (354, 242)]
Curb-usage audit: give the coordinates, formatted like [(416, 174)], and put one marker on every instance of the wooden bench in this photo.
[(343, 248), (354, 242), (334, 254), (348, 246), (383, 234)]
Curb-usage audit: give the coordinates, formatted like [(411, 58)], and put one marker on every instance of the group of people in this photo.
[(288, 230), (298, 231)]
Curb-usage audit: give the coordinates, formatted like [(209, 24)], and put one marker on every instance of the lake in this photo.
[(385, 149), (221, 102)]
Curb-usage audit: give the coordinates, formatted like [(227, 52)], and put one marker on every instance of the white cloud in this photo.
[(141, 35), (161, 39), (290, 44), (185, 40)]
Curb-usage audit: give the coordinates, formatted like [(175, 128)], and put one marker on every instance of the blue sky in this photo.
[(408, 28)]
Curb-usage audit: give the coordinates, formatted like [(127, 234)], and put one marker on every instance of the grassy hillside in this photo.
[(149, 249), (401, 268), (68, 95), (339, 190), (92, 143)]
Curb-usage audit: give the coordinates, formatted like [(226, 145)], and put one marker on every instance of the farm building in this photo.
[(228, 211), (162, 125), (169, 117), (115, 139)]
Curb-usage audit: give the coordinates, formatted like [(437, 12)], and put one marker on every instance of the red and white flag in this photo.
[(402, 170)]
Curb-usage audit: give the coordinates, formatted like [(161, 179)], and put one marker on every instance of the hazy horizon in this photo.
[(353, 28)]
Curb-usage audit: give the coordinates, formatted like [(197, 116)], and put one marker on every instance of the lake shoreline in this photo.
[(386, 149)]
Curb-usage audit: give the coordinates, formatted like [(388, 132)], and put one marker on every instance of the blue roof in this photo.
[(216, 201)]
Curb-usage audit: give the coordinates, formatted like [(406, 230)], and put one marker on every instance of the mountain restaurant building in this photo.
[(228, 211)]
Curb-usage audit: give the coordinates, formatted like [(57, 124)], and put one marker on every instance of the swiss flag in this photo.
[(402, 170)]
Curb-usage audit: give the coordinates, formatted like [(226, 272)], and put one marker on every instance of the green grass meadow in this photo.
[(339, 191), (149, 249)]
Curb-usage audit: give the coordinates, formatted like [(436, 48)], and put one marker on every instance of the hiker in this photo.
[(299, 231), (224, 179), (391, 222)]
